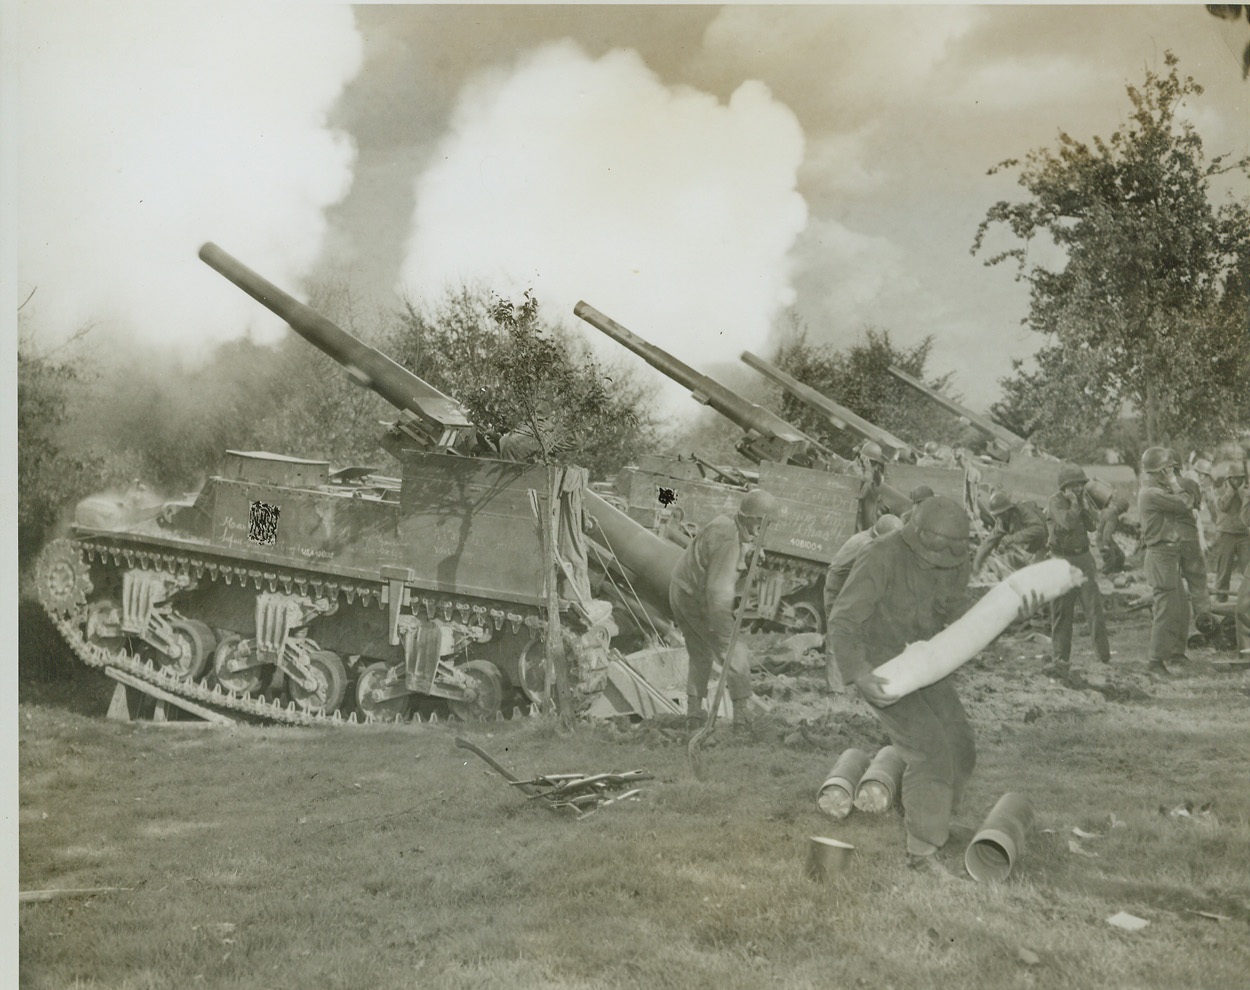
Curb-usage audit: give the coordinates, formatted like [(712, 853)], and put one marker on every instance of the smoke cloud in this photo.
[(147, 128), (591, 179)]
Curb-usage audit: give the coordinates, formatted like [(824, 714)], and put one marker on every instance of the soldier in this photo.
[(1194, 558), (1232, 539), (840, 569), (871, 462), (1019, 534), (1202, 471), (1072, 516), (702, 594), (1243, 598), (1167, 512), (907, 586), (1108, 525), (918, 495)]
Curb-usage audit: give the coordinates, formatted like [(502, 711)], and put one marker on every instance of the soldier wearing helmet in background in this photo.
[(917, 495), (1194, 558), (1232, 538), (1073, 516), (1108, 525), (1202, 471), (704, 585), (1243, 597), (871, 463), (1019, 534), (1167, 520), (840, 569)]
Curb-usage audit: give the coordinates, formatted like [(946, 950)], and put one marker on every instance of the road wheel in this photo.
[(197, 644), (246, 680), (385, 709), (331, 677), (490, 692)]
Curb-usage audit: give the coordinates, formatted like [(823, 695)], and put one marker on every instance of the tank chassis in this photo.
[(292, 593), (817, 490)]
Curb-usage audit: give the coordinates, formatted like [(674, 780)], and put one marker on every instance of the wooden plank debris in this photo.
[(163, 698)]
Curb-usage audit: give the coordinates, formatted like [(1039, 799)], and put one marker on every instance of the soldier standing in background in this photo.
[(1194, 558), (704, 585), (1243, 598), (871, 462), (1073, 516), (1232, 538), (1166, 511)]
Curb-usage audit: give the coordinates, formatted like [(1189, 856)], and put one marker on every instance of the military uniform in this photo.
[(893, 597), (1232, 538), (1164, 516), (1193, 559), (702, 598), (1069, 539), (1243, 597), (840, 567), (1025, 538)]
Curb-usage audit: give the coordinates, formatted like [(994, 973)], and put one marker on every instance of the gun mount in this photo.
[(426, 415), (837, 414), (1002, 441), (768, 436)]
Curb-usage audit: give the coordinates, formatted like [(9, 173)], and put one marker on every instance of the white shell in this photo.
[(928, 661)]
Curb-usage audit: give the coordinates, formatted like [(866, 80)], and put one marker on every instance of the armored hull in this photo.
[(287, 591)]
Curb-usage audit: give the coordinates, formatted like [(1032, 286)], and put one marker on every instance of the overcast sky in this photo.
[(692, 171)]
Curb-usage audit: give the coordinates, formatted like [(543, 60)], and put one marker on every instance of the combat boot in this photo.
[(744, 720), (929, 866), (1158, 670), (694, 712)]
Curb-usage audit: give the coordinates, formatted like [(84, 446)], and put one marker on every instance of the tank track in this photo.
[(68, 624)]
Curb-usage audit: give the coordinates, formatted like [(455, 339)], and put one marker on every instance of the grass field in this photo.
[(386, 857)]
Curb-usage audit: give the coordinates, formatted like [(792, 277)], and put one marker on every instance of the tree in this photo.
[(49, 477), (858, 379), (1149, 306), (516, 372)]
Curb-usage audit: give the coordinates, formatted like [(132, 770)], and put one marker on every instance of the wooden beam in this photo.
[(162, 695)]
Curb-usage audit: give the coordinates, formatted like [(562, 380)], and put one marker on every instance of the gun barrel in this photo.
[(986, 426), (366, 365), (837, 414), (744, 414), (650, 558)]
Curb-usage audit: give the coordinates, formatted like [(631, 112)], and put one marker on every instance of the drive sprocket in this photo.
[(62, 578)]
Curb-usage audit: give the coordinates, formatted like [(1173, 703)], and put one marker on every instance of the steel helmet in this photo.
[(1228, 469), (1070, 474), (757, 504), (1203, 466), (1000, 502), (920, 493), (1157, 458), (886, 524), (938, 532), (871, 451)]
